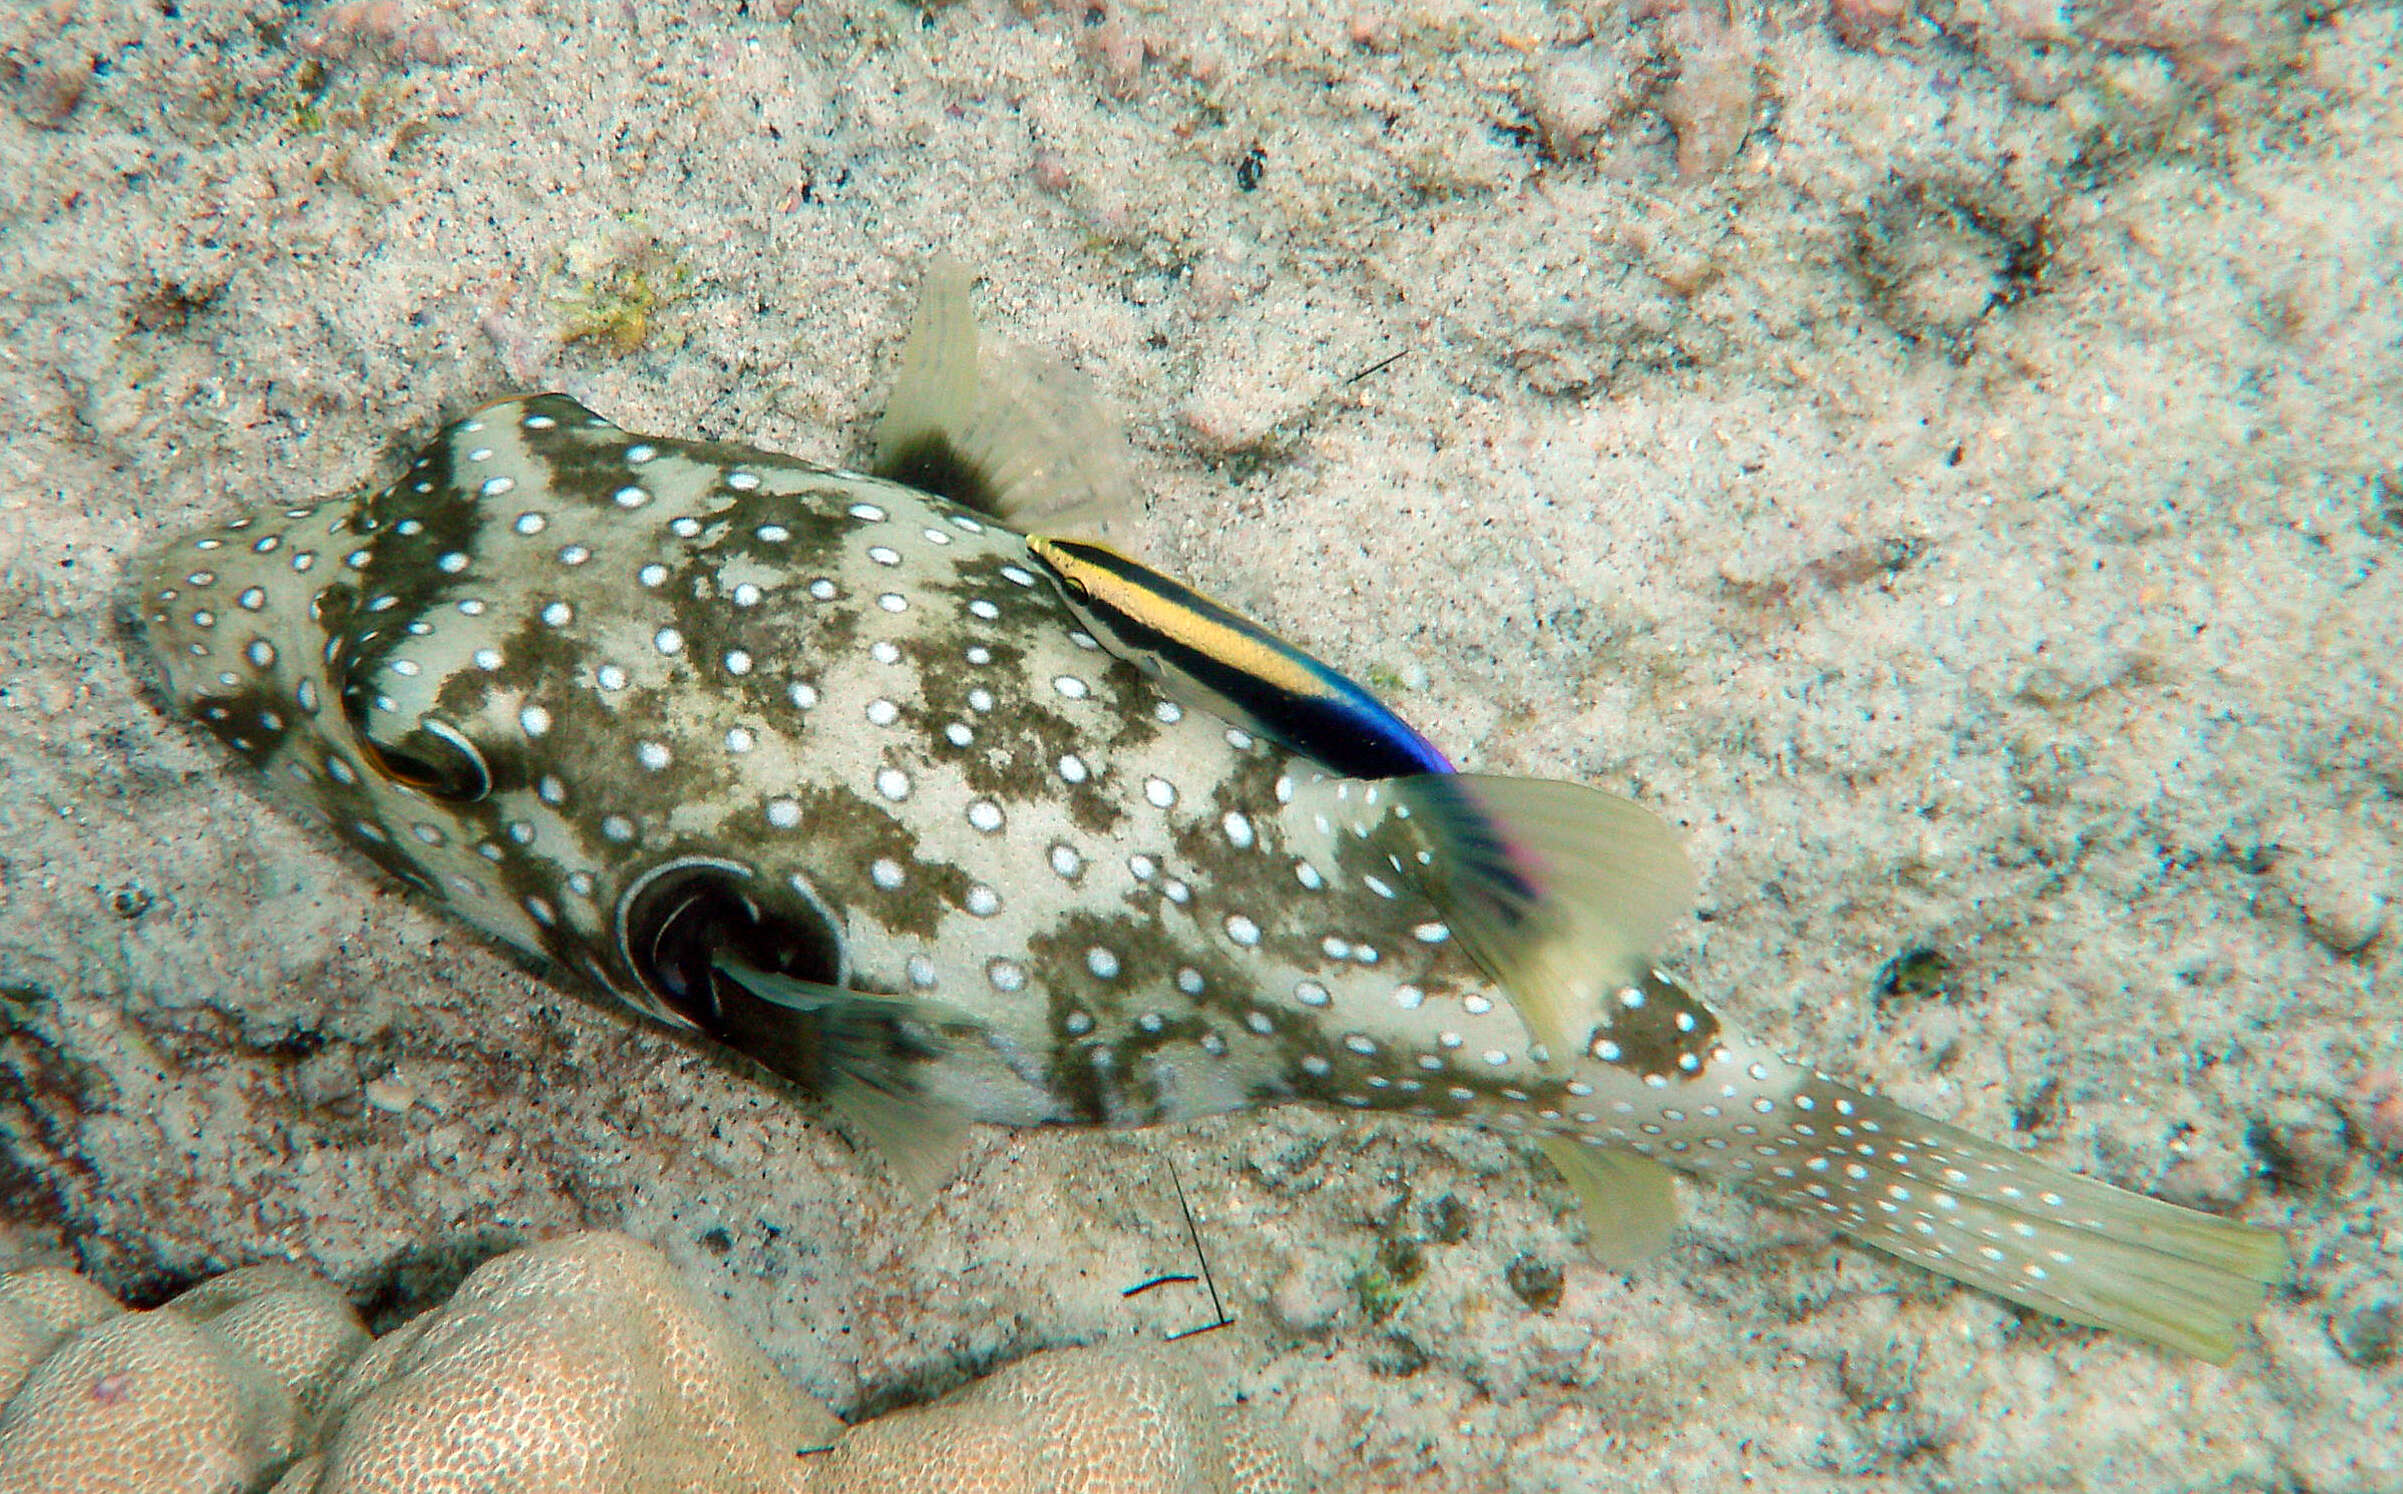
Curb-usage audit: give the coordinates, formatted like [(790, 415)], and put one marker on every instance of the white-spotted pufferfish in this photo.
[(951, 825)]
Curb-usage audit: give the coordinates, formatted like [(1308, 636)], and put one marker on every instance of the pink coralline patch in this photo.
[(2376, 1108), (2031, 20), (1108, 40), (1709, 103), (1372, 31), (2211, 41), (1050, 171), (1866, 23), (392, 29)]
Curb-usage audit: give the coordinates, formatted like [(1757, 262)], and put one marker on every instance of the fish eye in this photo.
[(435, 758), (679, 921)]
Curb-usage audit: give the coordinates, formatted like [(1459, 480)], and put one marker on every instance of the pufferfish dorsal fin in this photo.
[(843, 1045), (1630, 1202), (1211, 657), (1002, 430), (1558, 891)]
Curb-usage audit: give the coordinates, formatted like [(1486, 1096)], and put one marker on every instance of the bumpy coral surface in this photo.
[(209, 1394), (1113, 1420), (581, 1364)]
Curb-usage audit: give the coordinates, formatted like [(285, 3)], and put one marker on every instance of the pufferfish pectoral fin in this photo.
[(1630, 1202), (1558, 891), (1000, 429), (852, 1049)]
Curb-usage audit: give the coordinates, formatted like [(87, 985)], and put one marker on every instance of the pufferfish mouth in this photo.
[(680, 920)]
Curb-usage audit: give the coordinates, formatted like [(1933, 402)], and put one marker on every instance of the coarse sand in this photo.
[(1947, 456)]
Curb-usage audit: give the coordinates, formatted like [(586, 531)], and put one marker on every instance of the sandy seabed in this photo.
[(1948, 458)]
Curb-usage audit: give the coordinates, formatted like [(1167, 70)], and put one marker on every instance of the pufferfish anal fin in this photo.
[(853, 1049), (1630, 1202), (997, 428), (1558, 891), (1210, 657)]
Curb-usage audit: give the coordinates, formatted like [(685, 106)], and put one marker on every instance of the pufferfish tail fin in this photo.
[(1558, 891), (1957, 1204), (1000, 429)]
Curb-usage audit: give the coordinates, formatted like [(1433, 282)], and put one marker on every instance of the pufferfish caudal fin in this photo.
[(1214, 659), (1000, 429), (1557, 890), (1957, 1204)]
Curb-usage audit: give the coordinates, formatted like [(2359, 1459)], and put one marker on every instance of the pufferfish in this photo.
[(910, 787)]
